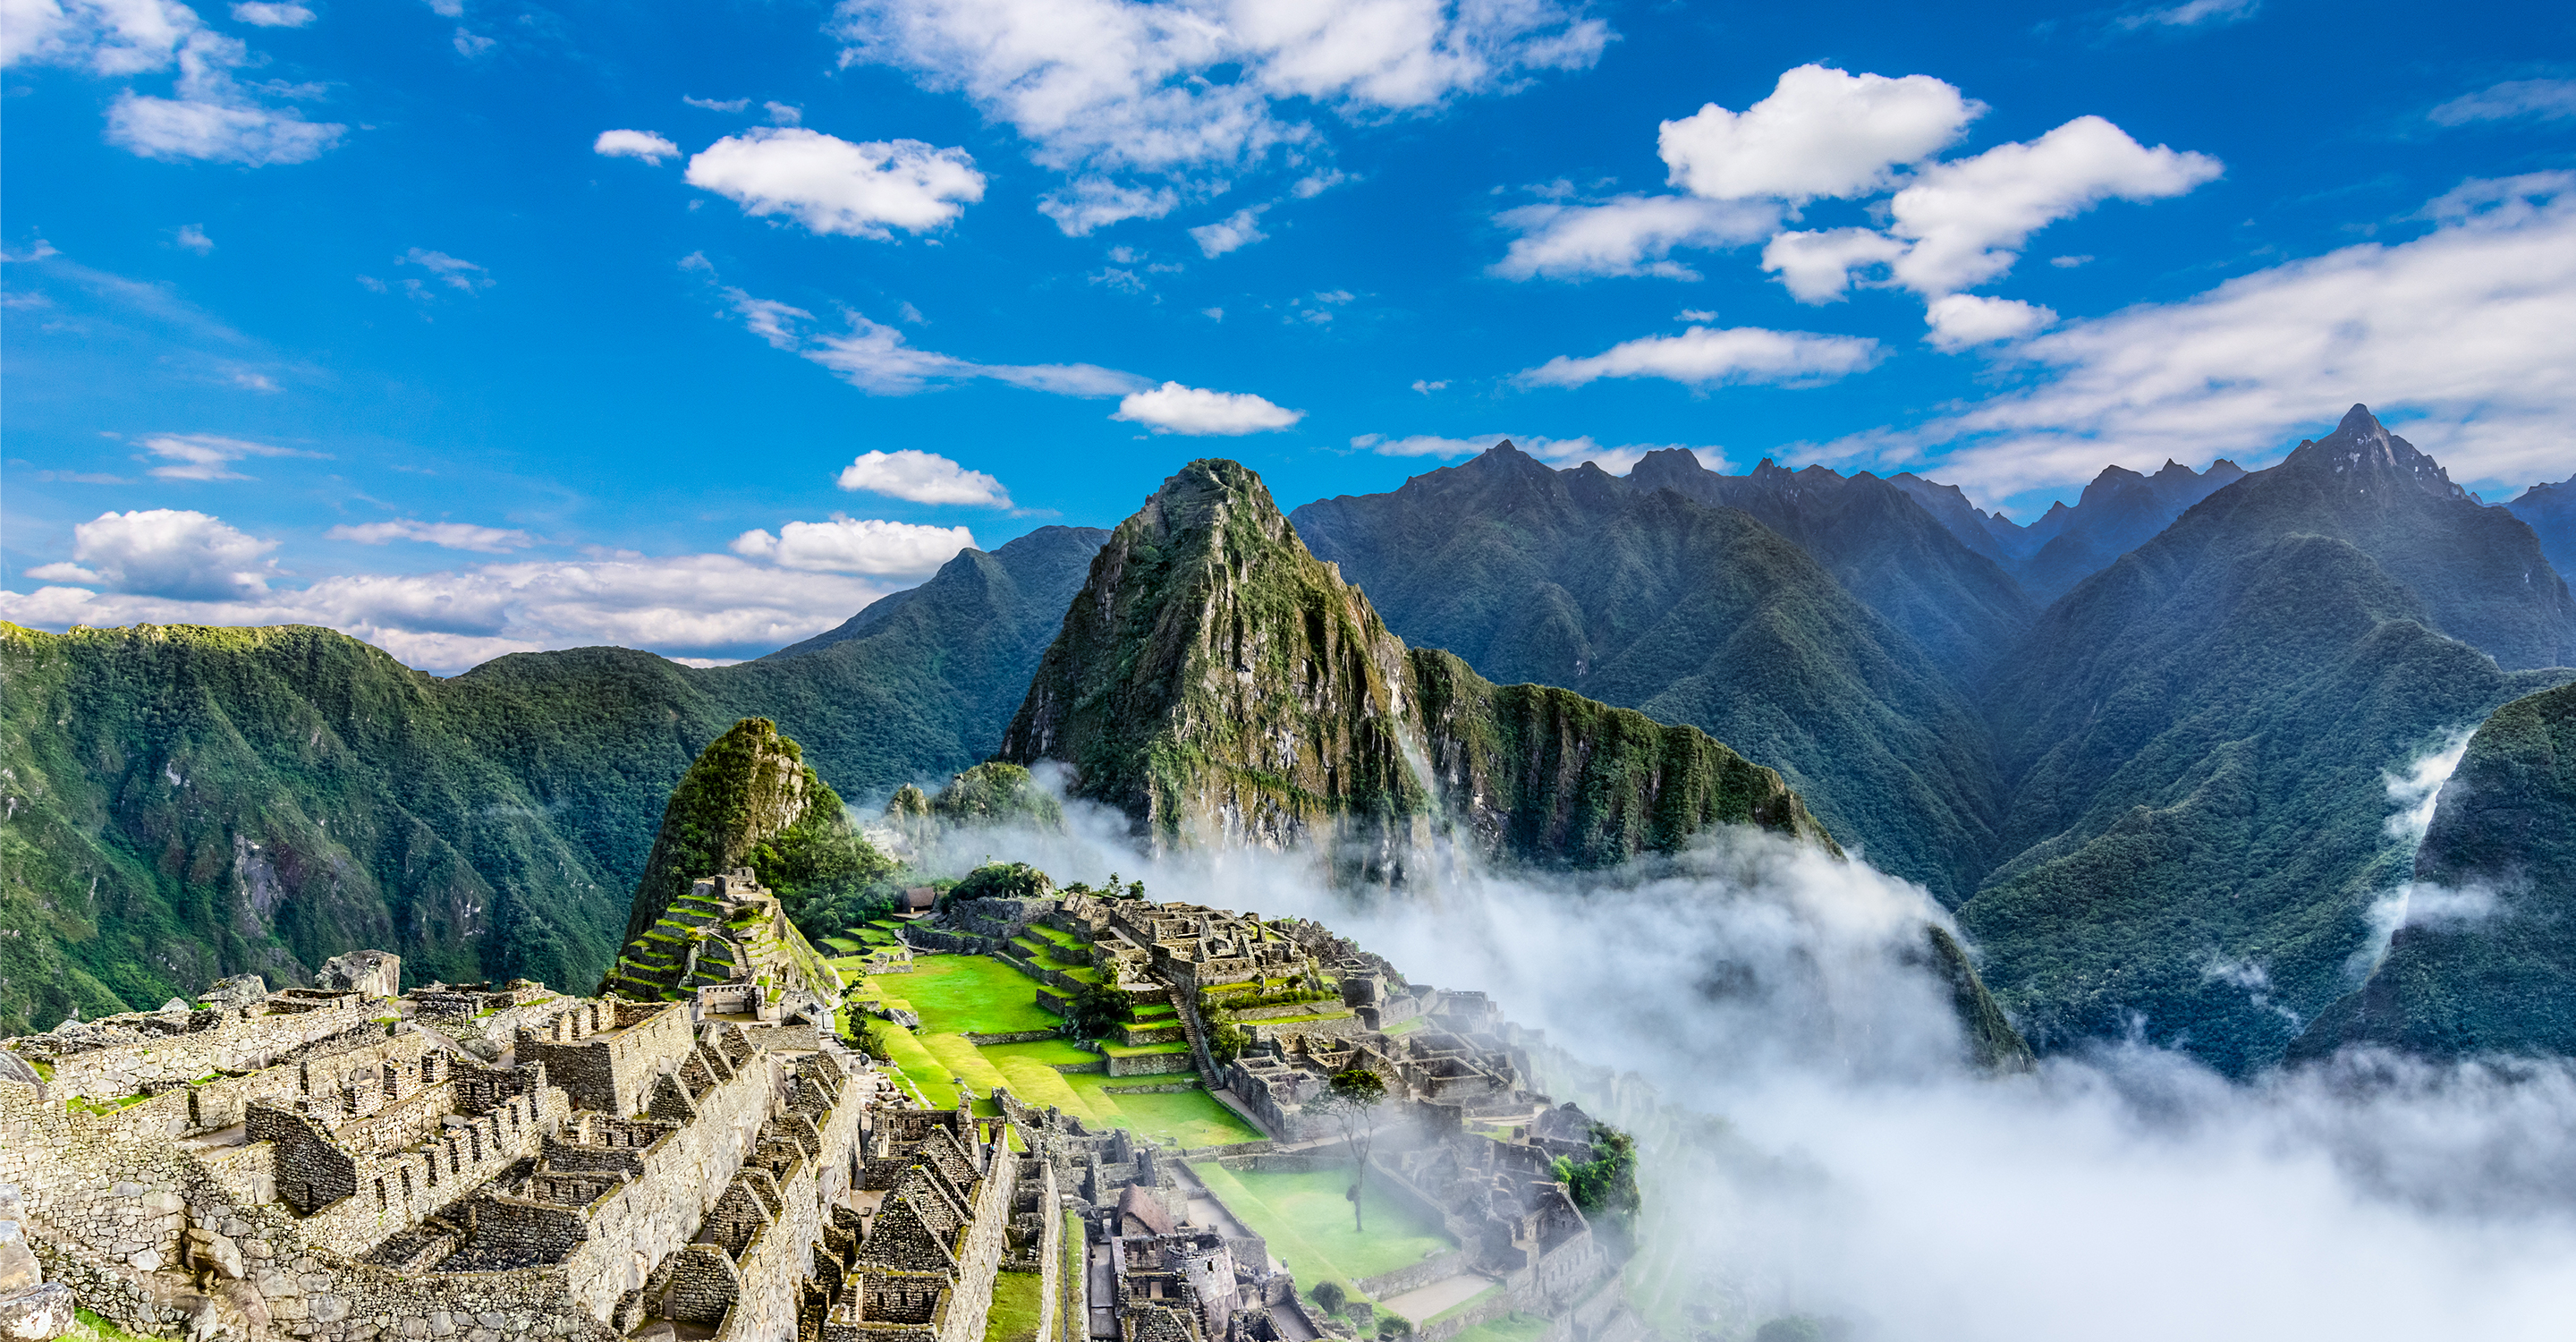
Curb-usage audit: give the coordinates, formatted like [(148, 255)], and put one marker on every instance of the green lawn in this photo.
[(843, 945), (1016, 1303), (1142, 1050), (1307, 1222), (1048, 1051), (1193, 1118), (969, 994), (1509, 1328)]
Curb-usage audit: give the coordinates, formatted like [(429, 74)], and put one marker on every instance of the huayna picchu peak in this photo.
[(1219, 683)]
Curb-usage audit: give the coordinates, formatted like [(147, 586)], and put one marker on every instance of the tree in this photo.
[(1098, 1009), (1003, 880), (1608, 1181), (1328, 1294), (1227, 1041), (1355, 1098)]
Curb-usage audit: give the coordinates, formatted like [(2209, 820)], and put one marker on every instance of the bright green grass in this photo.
[(1017, 1299), (925, 1069), (1307, 1221), (1300, 1020), (1509, 1328), (843, 945), (1047, 1051), (1405, 1026), (1154, 1011), (1140, 1050), (1037, 1085), (970, 994), (1193, 1118), (1051, 934), (963, 1060)]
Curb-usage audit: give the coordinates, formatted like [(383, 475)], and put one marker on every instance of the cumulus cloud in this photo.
[(831, 185), (166, 552), (184, 567), (875, 357), (1554, 451), (642, 144), (108, 37), (1967, 220), (1239, 229), (263, 15), (922, 477), (1961, 320), (1820, 133), (194, 238), (1104, 87), (856, 545), (445, 535), (213, 117), (1705, 356), (2539, 99), (1627, 235), (2465, 335), (1173, 408), (1818, 266), (206, 456)]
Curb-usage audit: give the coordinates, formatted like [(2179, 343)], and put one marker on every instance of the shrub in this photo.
[(1005, 880), (1329, 1296)]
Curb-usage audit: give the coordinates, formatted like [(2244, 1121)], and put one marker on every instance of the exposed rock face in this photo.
[(1218, 683), (367, 973)]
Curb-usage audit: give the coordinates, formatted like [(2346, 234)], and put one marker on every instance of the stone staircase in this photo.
[(683, 950)]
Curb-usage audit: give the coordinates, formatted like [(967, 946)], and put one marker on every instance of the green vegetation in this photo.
[(89, 1327), (1513, 1327), (996, 792), (1605, 1185), (1005, 880), (1018, 1300), (1307, 1222), (968, 994), (1192, 1118)]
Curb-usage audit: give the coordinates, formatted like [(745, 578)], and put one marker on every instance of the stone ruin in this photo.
[(728, 944)]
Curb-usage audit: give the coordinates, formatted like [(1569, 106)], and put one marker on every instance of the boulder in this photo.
[(177, 1004), (240, 990), (369, 974), (19, 1269), (38, 1315), (208, 1251)]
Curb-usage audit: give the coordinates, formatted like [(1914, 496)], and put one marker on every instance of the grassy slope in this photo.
[(1306, 1220)]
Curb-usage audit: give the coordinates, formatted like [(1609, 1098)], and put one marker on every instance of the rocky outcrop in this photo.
[(1219, 684)]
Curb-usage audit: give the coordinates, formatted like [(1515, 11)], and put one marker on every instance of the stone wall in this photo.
[(607, 1054), (232, 1039)]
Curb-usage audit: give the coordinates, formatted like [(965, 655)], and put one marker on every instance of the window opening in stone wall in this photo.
[(380, 1194)]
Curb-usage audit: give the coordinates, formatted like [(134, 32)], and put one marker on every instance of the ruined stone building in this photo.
[(333, 1166)]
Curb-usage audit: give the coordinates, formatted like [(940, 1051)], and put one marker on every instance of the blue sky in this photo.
[(479, 325)]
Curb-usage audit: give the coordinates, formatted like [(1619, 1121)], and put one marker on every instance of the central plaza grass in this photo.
[(1017, 1298), (968, 994), (1307, 1222), (1515, 1327)]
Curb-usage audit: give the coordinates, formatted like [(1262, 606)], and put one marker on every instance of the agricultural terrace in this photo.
[(960, 996)]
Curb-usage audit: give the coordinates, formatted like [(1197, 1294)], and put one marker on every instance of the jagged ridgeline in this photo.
[(750, 801), (1219, 684)]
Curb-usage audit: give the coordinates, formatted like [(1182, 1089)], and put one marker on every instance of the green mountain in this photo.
[(182, 804), (748, 800), (2486, 960), (2198, 738), (1692, 615), (1958, 606), (2117, 512), (2550, 512), (1219, 684)]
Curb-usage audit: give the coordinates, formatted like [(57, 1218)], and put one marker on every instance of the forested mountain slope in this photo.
[(1690, 614)]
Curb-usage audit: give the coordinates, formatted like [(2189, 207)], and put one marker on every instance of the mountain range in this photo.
[(2142, 747)]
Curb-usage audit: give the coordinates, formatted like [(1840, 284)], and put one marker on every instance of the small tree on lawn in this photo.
[(1356, 1098)]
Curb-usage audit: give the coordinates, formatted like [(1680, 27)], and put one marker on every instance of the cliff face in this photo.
[(1218, 683)]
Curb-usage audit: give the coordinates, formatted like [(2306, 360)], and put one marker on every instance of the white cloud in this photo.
[(205, 456), (875, 357), (1961, 320), (1173, 408), (922, 477), (1821, 133), (1701, 316), (445, 535), (712, 105), (784, 114), (1426, 386), (259, 14), (166, 552), (213, 117), (471, 44), (856, 545), (109, 37), (1967, 219), (1239, 229), (1213, 314), (2465, 336), (455, 272), (2191, 14), (193, 237), (1703, 356), (1628, 235), (1114, 86), (447, 9), (2540, 99), (2071, 262), (1818, 266), (831, 185), (1089, 203), (642, 144), (1559, 452)]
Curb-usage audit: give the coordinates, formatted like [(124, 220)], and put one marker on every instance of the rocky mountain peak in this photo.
[(2363, 450)]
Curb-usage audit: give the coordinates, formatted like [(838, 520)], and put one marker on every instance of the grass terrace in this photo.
[(1515, 1327), (1306, 1219), (968, 994), (1016, 1302)]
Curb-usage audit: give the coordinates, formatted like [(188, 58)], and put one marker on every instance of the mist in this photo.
[(1815, 1140)]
